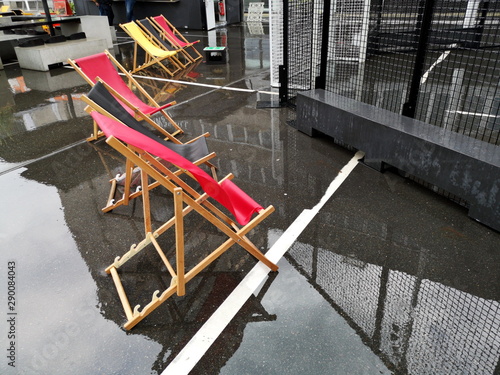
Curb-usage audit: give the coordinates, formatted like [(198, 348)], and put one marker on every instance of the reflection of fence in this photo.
[(415, 325), (438, 59)]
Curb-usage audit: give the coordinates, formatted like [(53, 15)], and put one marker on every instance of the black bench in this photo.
[(463, 166)]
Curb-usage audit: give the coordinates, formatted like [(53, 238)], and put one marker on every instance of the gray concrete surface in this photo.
[(389, 277)]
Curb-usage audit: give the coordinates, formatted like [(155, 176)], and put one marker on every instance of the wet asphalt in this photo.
[(388, 278)]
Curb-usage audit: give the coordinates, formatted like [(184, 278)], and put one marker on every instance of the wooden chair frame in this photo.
[(125, 96), (177, 40), (152, 31), (155, 54), (186, 200), (128, 192)]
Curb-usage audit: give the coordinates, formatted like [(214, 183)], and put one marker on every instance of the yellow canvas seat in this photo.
[(150, 30), (155, 55)]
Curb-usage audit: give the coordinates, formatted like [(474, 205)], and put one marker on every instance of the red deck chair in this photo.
[(175, 37), (104, 66), (141, 151), (100, 99)]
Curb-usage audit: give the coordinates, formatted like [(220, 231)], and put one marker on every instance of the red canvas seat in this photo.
[(196, 150), (142, 151), (175, 37), (106, 67)]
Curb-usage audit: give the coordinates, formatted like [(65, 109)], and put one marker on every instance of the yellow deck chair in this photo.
[(141, 151), (149, 29), (154, 53)]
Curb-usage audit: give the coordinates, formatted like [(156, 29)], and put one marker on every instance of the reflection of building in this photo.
[(6, 108), (100, 237), (57, 121), (161, 86), (423, 304), (245, 142)]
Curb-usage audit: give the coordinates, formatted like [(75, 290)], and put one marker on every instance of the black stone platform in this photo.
[(463, 166)]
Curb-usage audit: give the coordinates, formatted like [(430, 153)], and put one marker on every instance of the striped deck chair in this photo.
[(175, 37), (248, 214), (155, 54), (196, 150), (107, 68)]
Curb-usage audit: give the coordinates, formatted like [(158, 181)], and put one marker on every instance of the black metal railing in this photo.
[(433, 60)]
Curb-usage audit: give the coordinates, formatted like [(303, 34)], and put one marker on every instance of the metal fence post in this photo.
[(422, 33), (283, 69), (321, 79)]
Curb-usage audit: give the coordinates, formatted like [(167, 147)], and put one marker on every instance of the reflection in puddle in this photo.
[(415, 325)]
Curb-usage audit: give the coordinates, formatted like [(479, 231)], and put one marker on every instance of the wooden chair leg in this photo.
[(145, 202), (179, 241)]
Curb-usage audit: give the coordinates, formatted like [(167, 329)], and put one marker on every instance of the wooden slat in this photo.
[(145, 202), (121, 293), (163, 257), (179, 241)]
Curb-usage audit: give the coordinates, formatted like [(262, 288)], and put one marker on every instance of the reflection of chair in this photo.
[(154, 53), (196, 150), (139, 149), (104, 66), (175, 37), (162, 87), (153, 33)]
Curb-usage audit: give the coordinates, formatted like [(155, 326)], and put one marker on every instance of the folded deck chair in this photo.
[(155, 55), (175, 37), (141, 151), (153, 33), (105, 66), (196, 151)]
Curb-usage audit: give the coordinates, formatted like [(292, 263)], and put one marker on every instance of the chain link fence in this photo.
[(433, 60)]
